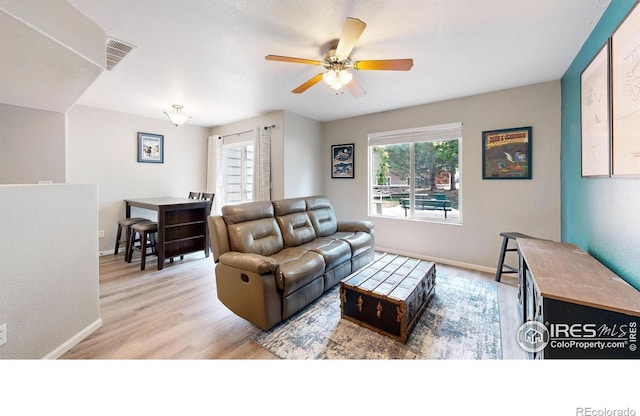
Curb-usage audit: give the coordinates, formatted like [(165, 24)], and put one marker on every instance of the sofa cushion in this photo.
[(334, 252), (322, 215), (252, 228), (259, 236), (234, 214), (295, 225), (358, 241), (287, 206), (297, 268)]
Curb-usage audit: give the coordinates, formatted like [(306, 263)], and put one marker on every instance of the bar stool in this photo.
[(147, 234), (125, 223), (506, 236)]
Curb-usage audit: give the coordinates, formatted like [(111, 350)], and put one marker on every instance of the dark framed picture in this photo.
[(342, 161), (625, 90), (150, 148), (506, 153), (595, 122)]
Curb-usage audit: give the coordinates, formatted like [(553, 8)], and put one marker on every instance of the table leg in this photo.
[(161, 237), (207, 212)]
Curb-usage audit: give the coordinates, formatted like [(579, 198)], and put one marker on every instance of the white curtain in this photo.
[(262, 164), (215, 178)]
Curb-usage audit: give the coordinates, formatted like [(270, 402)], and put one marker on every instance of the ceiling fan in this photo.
[(337, 61)]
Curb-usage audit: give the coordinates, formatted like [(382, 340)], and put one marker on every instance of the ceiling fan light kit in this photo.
[(177, 117), (337, 61), (337, 79)]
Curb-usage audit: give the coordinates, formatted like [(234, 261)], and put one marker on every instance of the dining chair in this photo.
[(208, 197), (194, 195)]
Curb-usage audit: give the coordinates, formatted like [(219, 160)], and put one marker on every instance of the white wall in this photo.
[(489, 206), (102, 149), (31, 145), (49, 290), (302, 156)]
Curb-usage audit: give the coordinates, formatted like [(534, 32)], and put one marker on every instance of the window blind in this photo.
[(420, 134)]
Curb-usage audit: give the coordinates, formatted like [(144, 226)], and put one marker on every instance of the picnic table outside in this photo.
[(422, 201)]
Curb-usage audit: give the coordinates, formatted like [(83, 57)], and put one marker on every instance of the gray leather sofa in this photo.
[(273, 258)]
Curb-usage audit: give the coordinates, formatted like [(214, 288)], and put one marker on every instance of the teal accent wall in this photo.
[(600, 215)]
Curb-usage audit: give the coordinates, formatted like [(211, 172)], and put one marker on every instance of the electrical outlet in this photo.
[(101, 234), (3, 334)]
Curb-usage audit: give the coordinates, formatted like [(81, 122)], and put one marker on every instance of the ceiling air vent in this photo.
[(116, 52)]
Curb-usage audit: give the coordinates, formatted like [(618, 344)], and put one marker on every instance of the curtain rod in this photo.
[(236, 134), (245, 132)]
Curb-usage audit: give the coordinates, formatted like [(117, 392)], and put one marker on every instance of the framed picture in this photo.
[(625, 73), (342, 161), (506, 153), (595, 120), (150, 148)]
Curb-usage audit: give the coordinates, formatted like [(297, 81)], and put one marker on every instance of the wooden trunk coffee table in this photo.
[(388, 295)]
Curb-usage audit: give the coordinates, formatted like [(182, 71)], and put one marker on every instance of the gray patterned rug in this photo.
[(462, 321)]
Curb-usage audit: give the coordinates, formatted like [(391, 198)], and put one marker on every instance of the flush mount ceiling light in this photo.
[(177, 117)]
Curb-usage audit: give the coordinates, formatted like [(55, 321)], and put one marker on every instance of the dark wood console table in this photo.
[(182, 225), (588, 310)]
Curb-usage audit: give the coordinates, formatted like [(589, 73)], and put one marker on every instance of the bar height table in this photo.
[(182, 225)]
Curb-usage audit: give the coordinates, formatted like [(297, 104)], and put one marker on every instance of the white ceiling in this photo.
[(208, 55)]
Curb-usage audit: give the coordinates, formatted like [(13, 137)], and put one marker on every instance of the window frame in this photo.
[(433, 133), (245, 187)]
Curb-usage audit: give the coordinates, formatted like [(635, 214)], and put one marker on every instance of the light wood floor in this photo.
[(174, 313)]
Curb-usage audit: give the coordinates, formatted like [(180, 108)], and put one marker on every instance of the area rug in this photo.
[(461, 322)]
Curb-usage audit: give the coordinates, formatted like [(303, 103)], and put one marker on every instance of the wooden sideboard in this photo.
[(587, 310)]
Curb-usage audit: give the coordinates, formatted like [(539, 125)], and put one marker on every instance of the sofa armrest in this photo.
[(365, 226), (254, 263), (218, 237)]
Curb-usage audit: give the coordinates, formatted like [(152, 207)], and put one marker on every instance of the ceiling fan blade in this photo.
[(351, 32), (388, 64), (355, 89), (290, 59), (313, 81)]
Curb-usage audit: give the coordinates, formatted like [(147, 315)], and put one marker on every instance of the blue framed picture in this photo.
[(150, 148)]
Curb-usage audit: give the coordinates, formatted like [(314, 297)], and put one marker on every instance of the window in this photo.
[(415, 173), (238, 172)]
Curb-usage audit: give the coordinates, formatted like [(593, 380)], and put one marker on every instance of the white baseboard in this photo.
[(107, 252), (439, 260), (74, 340)]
